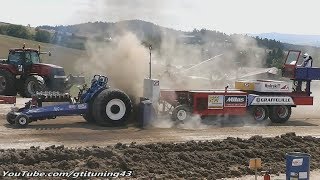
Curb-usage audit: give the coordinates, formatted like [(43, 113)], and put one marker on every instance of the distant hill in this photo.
[(210, 42), (3, 23), (311, 40), (104, 31), (96, 28), (206, 43), (145, 31)]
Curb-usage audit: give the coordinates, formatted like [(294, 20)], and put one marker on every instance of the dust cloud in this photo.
[(194, 122), (162, 122), (184, 66), (175, 63), (124, 61)]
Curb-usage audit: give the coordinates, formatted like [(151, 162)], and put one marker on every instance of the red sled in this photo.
[(8, 99)]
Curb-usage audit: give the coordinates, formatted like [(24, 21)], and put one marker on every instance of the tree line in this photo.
[(20, 31), (42, 35)]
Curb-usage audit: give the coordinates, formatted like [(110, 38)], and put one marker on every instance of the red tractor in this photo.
[(24, 73)]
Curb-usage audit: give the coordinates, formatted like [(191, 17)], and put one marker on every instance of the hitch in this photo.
[(34, 109)]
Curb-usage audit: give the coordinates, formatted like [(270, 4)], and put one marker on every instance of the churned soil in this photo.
[(197, 160)]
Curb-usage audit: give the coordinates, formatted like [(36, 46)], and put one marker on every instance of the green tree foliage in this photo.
[(18, 31), (275, 58), (42, 36), (70, 40), (2, 30), (269, 43)]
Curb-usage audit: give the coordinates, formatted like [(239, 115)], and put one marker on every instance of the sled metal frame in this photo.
[(68, 109)]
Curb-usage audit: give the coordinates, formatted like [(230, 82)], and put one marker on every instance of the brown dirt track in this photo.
[(160, 152), (204, 159)]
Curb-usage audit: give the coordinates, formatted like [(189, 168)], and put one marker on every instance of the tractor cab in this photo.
[(289, 67), (23, 58)]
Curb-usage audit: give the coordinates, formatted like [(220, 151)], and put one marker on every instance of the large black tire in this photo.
[(280, 114), (7, 82), (89, 118), (33, 84), (259, 113), (181, 113), (11, 118), (22, 121), (111, 108), (89, 115)]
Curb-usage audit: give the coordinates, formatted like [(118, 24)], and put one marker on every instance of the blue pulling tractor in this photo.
[(97, 104)]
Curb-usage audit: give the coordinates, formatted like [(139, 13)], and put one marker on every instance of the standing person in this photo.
[(307, 60), (307, 63)]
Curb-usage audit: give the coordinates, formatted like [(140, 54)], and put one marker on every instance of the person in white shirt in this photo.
[(307, 60), (307, 63)]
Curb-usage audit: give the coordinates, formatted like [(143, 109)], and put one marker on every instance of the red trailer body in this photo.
[(261, 98), (207, 103)]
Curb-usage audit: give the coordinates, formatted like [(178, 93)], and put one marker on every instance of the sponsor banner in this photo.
[(72, 106), (235, 101), (272, 100), (215, 101), (57, 109), (82, 106), (273, 87)]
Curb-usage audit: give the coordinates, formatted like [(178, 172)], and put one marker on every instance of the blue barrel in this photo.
[(145, 112), (297, 166)]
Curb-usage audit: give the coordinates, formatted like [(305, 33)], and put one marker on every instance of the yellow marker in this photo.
[(255, 164)]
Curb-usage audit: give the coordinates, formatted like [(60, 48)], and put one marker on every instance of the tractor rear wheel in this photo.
[(280, 114), (32, 85), (7, 83), (181, 113), (111, 108), (11, 118), (89, 117)]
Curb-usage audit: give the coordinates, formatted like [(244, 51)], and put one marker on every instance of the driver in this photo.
[(307, 60)]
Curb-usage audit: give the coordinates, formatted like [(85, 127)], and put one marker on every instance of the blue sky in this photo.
[(230, 16)]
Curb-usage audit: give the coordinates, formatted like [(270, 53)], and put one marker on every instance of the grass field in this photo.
[(62, 56)]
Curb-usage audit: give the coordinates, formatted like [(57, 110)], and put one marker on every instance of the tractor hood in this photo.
[(47, 70)]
